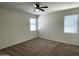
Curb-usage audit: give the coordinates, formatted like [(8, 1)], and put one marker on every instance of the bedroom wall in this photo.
[(14, 27), (51, 27)]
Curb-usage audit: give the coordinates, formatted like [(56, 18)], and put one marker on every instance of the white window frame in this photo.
[(71, 24), (32, 24)]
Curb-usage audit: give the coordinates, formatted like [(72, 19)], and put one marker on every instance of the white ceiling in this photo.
[(28, 6)]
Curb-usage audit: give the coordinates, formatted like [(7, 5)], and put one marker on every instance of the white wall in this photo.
[(14, 27), (51, 26)]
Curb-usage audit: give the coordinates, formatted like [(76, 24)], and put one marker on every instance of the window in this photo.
[(70, 24), (32, 24)]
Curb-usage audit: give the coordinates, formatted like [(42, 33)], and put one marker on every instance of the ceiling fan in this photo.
[(38, 8)]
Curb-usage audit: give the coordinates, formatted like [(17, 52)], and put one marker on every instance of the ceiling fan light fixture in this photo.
[(36, 10)]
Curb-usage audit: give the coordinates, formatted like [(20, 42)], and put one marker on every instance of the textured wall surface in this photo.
[(14, 27), (51, 26)]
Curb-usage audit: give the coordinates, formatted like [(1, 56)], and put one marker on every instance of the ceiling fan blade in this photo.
[(41, 9), (34, 5), (44, 7)]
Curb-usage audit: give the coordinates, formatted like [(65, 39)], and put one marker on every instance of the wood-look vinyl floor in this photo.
[(41, 47)]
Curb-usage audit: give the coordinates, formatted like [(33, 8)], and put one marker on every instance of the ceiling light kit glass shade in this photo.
[(36, 10)]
